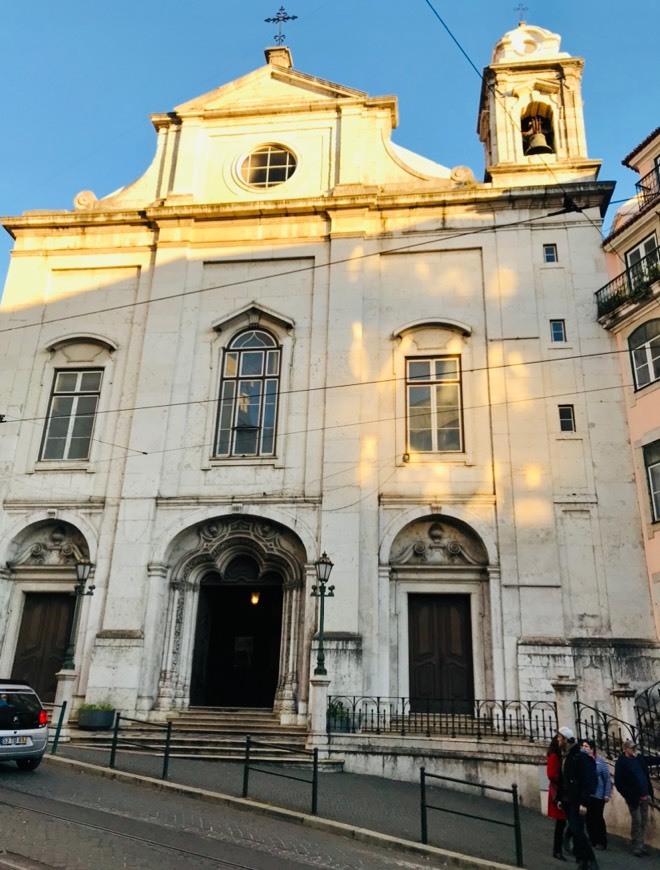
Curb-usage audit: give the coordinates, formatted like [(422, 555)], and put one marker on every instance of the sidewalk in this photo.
[(382, 806)]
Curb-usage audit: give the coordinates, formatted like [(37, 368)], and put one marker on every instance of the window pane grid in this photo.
[(268, 166), (434, 407), (248, 397), (652, 462), (566, 418), (71, 414), (645, 357), (558, 330)]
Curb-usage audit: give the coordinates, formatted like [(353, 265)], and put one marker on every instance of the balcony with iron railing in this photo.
[(648, 187), (633, 285)]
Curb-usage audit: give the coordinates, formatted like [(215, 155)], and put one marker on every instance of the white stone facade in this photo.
[(454, 500)]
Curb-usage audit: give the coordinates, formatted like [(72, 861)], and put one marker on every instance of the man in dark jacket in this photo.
[(632, 780), (578, 783)]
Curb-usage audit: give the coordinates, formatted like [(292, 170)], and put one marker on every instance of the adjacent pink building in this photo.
[(629, 308)]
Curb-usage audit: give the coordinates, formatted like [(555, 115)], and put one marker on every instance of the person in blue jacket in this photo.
[(596, 827), (577, 784), (632, 780)]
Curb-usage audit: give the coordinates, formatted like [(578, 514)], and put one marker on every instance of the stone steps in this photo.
[(211, 733)]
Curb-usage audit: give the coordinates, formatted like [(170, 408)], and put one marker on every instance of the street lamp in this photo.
[(83, 568), (323, 568)]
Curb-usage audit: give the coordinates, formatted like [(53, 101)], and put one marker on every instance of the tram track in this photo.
[(115, 830)]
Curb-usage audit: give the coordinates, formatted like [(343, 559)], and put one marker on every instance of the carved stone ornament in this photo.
[(51, 545), (84, 200), (437, 543), (273, 547)]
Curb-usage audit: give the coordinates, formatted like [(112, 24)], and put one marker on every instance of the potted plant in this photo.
[(96, 717)]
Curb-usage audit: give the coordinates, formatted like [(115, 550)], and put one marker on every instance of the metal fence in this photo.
[(367, 714), (248, 765), (126, 742), (58, 726), (513, 791)]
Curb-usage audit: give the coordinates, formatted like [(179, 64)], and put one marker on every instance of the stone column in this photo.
[(623, 698), (318, 705), (565, 696)]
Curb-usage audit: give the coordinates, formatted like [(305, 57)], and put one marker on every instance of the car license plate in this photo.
[(14, 741)]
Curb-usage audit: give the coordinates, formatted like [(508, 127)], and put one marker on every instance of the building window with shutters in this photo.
[(434, 411), (652, 464), (71, 414), (249, 394), (644, 346)]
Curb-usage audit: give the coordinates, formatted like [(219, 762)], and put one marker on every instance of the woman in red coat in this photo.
[(553, 772)]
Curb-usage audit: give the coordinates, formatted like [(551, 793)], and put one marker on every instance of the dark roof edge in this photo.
[(626, 160)]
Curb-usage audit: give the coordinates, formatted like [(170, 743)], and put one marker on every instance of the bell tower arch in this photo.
[(531, 120)]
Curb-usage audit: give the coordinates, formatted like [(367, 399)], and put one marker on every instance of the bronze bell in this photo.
[(538, 144)]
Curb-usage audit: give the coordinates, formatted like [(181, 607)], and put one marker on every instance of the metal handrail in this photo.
[(635, 283), (648, 187), (313, 753), (513, 791), (58, 727), (609, 732), (479, 718), (115, 740)]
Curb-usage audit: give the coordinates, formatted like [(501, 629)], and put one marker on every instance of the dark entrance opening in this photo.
[(440, 652), (237, 642), (42, 641)]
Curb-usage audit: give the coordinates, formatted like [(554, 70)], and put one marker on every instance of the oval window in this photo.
[(268, 166)]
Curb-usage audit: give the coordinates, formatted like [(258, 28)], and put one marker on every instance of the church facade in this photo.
[(292, 336)]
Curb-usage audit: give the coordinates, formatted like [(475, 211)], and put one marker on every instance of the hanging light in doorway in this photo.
[(254, 598)]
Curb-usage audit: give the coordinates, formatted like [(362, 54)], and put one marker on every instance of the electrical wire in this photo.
[(430, 237), (493, 90)]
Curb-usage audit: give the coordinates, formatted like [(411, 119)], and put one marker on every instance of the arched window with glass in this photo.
[(644, 345), (249, 392)]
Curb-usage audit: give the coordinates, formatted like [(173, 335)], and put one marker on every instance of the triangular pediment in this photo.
[(269, 85)]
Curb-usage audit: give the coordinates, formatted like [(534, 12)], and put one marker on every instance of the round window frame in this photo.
[(238, 166)]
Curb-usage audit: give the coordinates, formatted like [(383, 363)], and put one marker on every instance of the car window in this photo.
[(19, 709)]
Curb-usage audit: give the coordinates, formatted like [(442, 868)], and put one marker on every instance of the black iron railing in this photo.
[(609, 732), (633, 284), (528, 720), (647, 710), (513, 791), (58, 726), (250, 765), (648, 187), (119, 741)]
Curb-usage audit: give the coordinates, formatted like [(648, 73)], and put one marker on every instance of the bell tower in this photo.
[(530, 114)]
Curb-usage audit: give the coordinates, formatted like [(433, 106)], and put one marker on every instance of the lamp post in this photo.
[(323, 568), (83, 568)]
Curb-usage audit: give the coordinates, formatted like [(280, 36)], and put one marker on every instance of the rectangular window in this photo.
[(652, 463), (642, 250), (71, 414), (557, 330), (566, 418), (550, 254), (434, 405)]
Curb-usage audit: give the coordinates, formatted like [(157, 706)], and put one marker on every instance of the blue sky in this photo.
[(79, 78)]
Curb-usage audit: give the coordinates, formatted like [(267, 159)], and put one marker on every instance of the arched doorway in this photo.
[(220, 648), (36, 629), (237, 637), (438, 569)]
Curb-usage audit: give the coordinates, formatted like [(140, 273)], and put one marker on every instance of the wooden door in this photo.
[(440, 649), (42, 640)]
